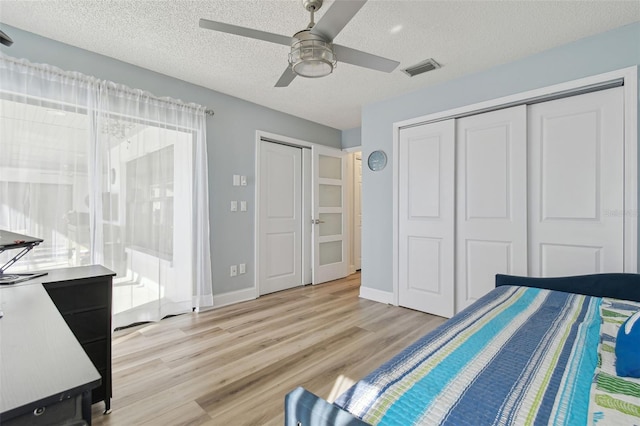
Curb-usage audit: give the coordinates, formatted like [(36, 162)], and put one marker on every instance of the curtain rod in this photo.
[(83, 77)]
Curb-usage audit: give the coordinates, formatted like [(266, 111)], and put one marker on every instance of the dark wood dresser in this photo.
[(83, 297)]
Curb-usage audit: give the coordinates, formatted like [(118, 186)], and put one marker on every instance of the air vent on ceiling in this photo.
[(424, 66)]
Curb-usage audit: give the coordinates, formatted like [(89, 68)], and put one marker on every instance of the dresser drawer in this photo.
[(89, 326), (66, 412), (88, 294)]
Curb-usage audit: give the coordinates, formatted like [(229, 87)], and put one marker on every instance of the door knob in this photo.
[(316, 221)]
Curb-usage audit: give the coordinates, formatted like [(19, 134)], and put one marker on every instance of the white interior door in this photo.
[(576, 168), (281, 236), (357, 211), (491, 210), (330, 232), (426, 218)]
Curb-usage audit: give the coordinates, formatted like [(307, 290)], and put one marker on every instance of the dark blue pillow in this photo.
[(628, 347)]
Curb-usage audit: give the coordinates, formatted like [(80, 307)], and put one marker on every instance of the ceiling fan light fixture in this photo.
[(311, 56)]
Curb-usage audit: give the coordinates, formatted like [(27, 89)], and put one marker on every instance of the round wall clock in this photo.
[(377, 160)]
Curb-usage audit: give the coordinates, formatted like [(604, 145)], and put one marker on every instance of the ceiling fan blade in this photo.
[(5, 39), (363, 59), (286, 78), (245, 32), (336, 17)]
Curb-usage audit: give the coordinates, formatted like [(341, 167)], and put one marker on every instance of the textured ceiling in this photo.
[(463, 36)]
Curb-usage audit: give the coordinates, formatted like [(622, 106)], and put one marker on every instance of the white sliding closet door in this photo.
[(576, 163), (426, 218), (491, 210), (534, 190)]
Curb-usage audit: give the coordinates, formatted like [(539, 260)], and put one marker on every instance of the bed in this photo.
[(532, 351)]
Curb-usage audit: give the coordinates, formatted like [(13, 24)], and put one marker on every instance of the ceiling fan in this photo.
[(313, 53)]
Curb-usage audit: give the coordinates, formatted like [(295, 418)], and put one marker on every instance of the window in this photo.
[(109, 175), (44, 181)]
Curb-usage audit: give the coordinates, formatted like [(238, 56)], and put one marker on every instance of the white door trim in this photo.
[(629, 76), (351, 203), (356, 210)]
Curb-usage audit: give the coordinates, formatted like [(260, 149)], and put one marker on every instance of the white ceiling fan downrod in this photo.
[(312, 6)]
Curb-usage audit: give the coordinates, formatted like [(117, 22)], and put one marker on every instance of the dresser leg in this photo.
[(107, 406), (86, 406)]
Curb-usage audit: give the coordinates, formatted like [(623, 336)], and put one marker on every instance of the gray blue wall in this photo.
[(619, 48), (351, 138), (231, 137)]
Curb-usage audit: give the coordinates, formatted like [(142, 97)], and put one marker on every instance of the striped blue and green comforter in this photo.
[(520, 356)]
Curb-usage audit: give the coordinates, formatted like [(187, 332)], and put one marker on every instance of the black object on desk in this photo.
[(12, 240)]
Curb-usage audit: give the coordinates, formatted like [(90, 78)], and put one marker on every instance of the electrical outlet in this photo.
[(234, 270), (243, 268)]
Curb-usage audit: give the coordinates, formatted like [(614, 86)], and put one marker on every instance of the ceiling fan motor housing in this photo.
[(311, 55), (312, 5)]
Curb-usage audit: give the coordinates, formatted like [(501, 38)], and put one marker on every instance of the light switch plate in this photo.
[(236, 180), (243, 180), (243, 268), (233, 271), (243, 206), (234, 206)]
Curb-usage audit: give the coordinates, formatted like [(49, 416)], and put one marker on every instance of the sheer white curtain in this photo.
[(109, 175), (44, 135)]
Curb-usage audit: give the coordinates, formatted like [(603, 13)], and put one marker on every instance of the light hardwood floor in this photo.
[(234, 365)]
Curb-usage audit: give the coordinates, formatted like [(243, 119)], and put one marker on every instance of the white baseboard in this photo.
[(376, 295), (234, 297)]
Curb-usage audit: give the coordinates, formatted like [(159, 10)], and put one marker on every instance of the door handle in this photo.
[(316, 221)]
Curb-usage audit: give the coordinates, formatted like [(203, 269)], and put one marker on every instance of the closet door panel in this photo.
[(486, 165), (491, 218), (576, 259), (570, 155), (483, 259), (426, 218), (424, 265), (576, 167), (424, 178)]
